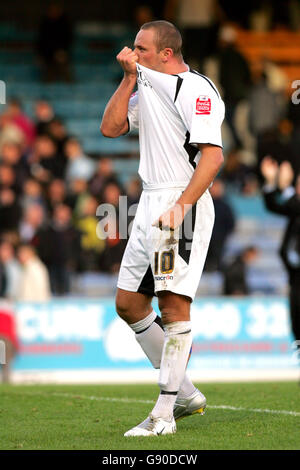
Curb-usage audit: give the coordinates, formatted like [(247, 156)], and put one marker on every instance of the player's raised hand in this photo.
[(127, 58), (285, 176), (269, 169)]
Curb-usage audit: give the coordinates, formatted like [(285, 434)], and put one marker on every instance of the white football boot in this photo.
[(152, 427), (195, 403)]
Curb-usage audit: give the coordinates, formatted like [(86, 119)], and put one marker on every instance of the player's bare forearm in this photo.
[(114, 121), (207, 169), (205, 172)]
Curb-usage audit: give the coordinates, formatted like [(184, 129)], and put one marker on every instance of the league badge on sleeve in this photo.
[(203, 105)]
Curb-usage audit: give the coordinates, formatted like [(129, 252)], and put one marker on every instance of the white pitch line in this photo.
[(147, 402), (254, 410)]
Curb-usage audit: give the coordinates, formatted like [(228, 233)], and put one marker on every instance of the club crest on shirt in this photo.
[(203, 105), (142, 80)]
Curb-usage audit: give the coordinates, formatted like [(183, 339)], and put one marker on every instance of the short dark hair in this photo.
[(166, 35)]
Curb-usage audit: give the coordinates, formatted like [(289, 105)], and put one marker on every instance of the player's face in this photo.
[(146, 50)]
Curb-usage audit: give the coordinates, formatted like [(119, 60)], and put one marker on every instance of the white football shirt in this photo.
[(173, 113)]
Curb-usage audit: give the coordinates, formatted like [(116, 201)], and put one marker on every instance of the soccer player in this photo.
[(178, 113)]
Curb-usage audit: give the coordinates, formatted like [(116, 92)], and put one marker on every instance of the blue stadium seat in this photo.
[(102, 145), (86, 127)]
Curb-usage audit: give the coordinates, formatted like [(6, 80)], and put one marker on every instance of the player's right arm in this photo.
[(114, 121)]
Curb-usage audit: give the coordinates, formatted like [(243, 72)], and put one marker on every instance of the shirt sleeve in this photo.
[(203, 115), (133, 112)]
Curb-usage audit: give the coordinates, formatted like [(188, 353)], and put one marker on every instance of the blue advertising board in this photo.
[(82, 334)]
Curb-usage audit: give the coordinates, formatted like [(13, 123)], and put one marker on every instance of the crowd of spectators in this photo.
[(50, 189), (49, 194)]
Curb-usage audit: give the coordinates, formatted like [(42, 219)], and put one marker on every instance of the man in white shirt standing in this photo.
[(178, 113), (34, 281)]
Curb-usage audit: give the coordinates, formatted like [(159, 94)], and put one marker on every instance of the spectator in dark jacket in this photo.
[(46, 162), (235, 273), (284, 199), (54, 44), (58, 246), (235, 77), (223, 227)]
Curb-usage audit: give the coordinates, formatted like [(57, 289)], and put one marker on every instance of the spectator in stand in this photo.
[(79, 165), (91, 244), (54, 43), (32, 220), (282, 195), (266, 106), (281, 14), (44, 114), (235, 273), (199, 22), (266, 109), (14, 116), (104, 173), (235, 173), (58, 245), (251, 187), (235, 78), (46, 163), (32, 194), (276, 143), (11, 154), (12, 270), (110, 258), (57, 130), (56, 194), (133, 191), (11, 236), (34, 283), (7, 177), (78, 192), (10, 210), (223, 227)]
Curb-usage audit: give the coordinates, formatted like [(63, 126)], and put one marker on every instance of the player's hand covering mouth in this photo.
[(127, 58)]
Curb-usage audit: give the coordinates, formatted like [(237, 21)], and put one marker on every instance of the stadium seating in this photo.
[(79, 103), (281, 47)]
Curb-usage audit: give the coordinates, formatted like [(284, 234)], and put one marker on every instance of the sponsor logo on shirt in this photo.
[(203, 105), (164, 278)]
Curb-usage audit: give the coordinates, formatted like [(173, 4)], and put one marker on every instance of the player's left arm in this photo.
[(208, 167)]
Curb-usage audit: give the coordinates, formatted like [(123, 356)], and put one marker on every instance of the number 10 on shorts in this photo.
[(164, 262)]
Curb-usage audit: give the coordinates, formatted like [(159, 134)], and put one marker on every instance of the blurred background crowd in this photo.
[(59, 69)]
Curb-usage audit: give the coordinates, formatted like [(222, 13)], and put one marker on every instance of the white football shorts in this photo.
[(159, 260)]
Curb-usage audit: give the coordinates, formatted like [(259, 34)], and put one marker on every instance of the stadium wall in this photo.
[(84, 341)]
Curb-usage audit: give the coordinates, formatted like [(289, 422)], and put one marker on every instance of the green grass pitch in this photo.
[(246, 416)]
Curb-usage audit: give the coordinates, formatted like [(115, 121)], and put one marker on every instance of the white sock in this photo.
[(149, 333), (176, 349), (187, 388)]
